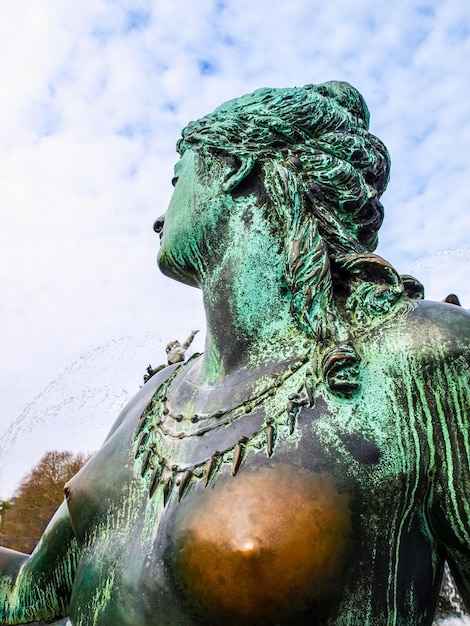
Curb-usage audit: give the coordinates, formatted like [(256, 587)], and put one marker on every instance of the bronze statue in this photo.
[(175, 353), (312, 466)]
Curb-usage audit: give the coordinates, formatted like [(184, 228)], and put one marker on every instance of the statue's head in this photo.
[(316, 170), (309, 148)]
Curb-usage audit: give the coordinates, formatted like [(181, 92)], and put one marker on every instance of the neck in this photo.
[(249, 322)]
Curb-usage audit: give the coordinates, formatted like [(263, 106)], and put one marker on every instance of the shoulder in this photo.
[(136, 406), (415, 323), (422, 339), (422, 323), (449, 317), (446, 326)]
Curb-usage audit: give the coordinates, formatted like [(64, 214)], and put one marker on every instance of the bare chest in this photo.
[(208, 524)]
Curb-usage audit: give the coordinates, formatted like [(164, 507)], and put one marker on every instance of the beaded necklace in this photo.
[(159, 429)]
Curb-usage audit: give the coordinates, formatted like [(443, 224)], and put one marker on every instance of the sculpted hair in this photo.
[(322, 173)]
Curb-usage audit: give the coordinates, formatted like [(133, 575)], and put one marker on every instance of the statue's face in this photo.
[(189, 225)]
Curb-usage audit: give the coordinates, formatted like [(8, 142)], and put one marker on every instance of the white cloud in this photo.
[(94, 95)]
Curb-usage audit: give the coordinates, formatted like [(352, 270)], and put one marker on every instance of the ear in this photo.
[(246, 166)]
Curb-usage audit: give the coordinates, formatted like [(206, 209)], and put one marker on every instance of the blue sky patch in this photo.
[(206, 68), (133, 129), (138, 20), (169, 106)]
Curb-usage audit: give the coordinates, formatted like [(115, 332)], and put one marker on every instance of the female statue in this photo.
[(312, 466)]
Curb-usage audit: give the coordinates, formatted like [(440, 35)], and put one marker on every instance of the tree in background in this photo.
[(39, 495)]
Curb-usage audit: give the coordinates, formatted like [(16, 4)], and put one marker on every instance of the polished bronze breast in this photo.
[(262, 547)]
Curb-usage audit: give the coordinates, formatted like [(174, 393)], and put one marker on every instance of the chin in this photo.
[(172, 269)]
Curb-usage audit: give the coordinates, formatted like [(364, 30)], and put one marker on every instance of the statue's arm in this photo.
[(38, 586)]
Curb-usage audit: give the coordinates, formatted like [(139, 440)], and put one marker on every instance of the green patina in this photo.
[(38, 589), (315, 361)]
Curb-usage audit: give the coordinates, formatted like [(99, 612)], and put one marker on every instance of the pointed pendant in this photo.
[(142, 440), (184, 482), (211, 467), (145, 461), (154, 479), (167, 485), (270, 440), (238, 454), (141, 423)]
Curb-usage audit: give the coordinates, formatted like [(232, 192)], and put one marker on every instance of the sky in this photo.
[(94, 96)]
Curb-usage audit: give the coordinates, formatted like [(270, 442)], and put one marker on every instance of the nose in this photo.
[(158, 225)]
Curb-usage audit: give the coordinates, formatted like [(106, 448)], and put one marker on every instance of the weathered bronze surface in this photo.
[(312, 466)]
